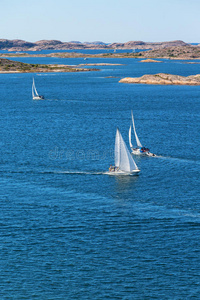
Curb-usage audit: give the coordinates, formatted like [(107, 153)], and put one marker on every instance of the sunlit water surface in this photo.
[(68, 231)]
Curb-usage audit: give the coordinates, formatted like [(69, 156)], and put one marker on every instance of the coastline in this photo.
[(179, 52), (8, 66), (163, 79)]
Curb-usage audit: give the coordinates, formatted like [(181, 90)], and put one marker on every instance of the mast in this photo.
[(123, 158), (33, 95), (130, 138), (34, 91), (117, 148), (136, 137)]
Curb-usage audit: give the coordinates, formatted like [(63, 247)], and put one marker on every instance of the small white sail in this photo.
[(34, 91), (136, 137), (130, 137), (123, 158), (35, 94), (117, 149)]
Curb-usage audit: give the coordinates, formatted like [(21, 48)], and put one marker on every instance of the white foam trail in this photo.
[(84, 173), (75, 172), (67, 100), (178, 159)]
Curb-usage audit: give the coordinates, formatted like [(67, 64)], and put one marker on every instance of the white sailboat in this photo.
[(124, 162), (35, 94), (139, 149)]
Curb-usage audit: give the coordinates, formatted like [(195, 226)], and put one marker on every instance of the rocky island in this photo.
[(167, 50), (164, 79), (20, 45), (151, 61), (8, 66), (176, 52)]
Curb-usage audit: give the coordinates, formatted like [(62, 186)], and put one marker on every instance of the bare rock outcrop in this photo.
[(151, 61), (164, 79), (174, 52)]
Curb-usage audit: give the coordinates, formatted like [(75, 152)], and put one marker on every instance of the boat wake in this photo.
[(66, 100), (185, 160), (88, 173), (64, 172), (73, 172)]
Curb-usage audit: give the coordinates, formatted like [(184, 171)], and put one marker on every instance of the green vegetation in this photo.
[(14, 66)]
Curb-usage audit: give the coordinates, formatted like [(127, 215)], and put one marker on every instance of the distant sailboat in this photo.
[(124, 162), (35, 94), (139, 150)]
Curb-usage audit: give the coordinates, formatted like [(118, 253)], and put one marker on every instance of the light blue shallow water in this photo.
[(67, 230)]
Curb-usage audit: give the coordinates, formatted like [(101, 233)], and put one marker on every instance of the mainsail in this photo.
[(123, 158), (117, 148), (34, 91), (136, 137), (129, 135)]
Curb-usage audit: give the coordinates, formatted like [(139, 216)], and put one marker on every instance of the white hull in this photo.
[(136, 151), (38, 98), (119, 173)]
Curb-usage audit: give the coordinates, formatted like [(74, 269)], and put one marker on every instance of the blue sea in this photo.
[(68, 231)]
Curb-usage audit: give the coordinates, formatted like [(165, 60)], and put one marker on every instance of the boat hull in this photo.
[(138, 152), (122, 173), (38, 98)]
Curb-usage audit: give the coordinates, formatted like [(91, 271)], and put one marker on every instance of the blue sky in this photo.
[(101, 20)]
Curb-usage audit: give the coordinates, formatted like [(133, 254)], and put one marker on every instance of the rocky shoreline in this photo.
[(169, 50), (176, 52), (151, 61), (8, 66), (164, 79)]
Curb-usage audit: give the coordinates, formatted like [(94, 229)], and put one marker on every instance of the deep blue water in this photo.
[(67, 230)]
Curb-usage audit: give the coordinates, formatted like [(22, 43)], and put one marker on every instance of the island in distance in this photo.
[(160, 51), (10, 66), (164, 79), (167, 50), (20, 45)]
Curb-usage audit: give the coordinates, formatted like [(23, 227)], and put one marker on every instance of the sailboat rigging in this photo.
[(124, 162), (139, 149), (35, 94)]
